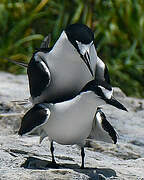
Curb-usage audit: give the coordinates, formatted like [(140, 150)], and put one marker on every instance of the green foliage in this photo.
[(118, 26)]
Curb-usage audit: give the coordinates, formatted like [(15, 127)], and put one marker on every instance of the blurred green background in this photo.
[(118, 26)]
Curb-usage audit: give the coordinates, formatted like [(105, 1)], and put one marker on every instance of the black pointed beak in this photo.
[(86, 59), (116, 103)]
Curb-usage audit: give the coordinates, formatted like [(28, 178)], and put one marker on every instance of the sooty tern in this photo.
[(72, 121), (60, 72)]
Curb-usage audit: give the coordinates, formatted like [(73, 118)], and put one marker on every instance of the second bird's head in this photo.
[(103, 91), (82, 39)]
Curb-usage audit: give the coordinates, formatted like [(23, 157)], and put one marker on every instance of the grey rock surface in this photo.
[(13, 87), (23, 158)]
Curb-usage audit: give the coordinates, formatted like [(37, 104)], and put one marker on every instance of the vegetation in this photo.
[(118, 26)]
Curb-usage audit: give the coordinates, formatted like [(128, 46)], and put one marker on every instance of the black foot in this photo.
[(82, 167), (52, 153), (82, 155), (52, 165), (53, 161)]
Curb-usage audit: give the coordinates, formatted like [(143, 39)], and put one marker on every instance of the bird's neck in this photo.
[(63, 48), (91, 98)]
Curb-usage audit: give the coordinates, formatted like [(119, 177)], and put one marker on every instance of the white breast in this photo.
[(68, 71), (69, 74), (70, 122)]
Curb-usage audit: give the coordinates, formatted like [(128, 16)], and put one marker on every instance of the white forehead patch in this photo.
[(84, 47)]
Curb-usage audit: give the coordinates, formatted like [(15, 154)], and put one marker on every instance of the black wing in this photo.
[(38, 74), (108, 128), (33, 119)]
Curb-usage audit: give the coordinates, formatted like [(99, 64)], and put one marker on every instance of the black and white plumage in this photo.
[(102, 130), (69, 122), (59, 73)]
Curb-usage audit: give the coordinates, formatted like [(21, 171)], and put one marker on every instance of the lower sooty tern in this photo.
[(72, 121)]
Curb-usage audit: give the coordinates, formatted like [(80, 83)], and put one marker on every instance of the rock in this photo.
[(117, 92), (13, 87), (24, 158)]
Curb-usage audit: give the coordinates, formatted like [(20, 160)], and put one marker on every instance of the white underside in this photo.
[(71, 122), (68, 71)]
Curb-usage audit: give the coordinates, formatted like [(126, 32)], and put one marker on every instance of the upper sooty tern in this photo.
[(58, 73), (72, 121)]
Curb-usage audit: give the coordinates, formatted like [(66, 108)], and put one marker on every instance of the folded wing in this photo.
[(33, 119), (102, 130)]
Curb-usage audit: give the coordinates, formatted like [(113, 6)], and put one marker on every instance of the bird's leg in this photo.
[(82, 155), (52, 152)]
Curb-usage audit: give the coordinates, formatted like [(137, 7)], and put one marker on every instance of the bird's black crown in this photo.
[(79, 32)]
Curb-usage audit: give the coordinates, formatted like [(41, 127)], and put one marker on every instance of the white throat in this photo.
[(91, 98)]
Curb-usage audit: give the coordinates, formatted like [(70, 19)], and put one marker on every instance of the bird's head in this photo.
[(104, 91), (82, 38)]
